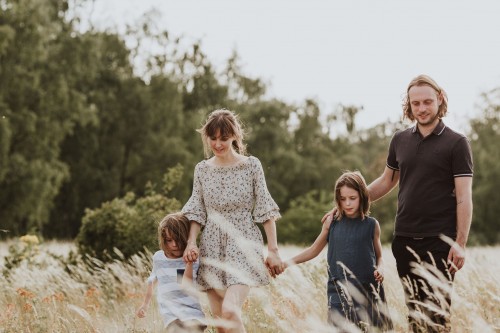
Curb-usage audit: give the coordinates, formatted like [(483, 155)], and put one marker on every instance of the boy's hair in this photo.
[(177, 225), (354, 180), (228, 125), (424, 80)]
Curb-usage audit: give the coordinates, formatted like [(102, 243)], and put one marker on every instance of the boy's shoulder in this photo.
[(161, 260), (159, 255)]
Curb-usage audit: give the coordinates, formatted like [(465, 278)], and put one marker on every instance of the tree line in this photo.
[(86, 118)]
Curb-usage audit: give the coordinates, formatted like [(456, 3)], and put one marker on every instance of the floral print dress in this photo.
[(228, 201)]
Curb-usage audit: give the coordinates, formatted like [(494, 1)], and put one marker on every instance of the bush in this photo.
[(128, 224), (301, 223)]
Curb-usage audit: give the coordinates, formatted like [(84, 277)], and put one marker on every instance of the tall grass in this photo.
[(44, 293)]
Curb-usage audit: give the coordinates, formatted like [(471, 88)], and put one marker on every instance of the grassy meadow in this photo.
[(47, 290)]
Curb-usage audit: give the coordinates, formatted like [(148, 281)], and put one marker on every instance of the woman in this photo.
[(229, 197)]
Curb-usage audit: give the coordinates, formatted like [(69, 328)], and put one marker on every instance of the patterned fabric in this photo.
[(228, 201), (174, 303)]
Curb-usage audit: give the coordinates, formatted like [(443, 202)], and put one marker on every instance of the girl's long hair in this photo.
[(354, 180)]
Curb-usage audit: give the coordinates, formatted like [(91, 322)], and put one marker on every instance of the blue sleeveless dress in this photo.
[(353, 293)]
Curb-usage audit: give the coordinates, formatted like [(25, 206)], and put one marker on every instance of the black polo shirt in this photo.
[(427, 168)]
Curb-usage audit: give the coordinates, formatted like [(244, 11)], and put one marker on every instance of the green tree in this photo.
[(138, 133), (485, 135), (269, 139), (347, 114), (321, 160), (35, 96), (301, 223), (242, 88)]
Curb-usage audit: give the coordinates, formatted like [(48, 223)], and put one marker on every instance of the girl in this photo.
[(181, 311), (355, 271), (229, 198)]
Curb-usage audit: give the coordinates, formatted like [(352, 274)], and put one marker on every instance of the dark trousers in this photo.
[(428, 285)]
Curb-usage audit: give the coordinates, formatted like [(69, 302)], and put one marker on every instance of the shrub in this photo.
[(128, 224), (301, 223)]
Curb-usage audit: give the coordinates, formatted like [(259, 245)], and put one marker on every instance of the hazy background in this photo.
[(99, 102), (362, 53), (98, 111)]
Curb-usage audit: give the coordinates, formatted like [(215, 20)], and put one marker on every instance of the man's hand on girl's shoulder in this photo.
[(331, 214), (327, 222)]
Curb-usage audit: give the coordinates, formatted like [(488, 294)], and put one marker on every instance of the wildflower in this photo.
[(25, 293), (56, 297), (134, 295), (11, 308), (91, 299), (27, 307), (91, 292)]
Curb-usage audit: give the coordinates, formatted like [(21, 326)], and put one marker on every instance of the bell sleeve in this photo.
[(194, 209), (265, 207)]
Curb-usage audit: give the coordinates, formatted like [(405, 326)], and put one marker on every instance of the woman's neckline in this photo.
[(243, 160)]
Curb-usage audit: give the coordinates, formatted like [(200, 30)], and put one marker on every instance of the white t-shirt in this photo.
[(173, 302)]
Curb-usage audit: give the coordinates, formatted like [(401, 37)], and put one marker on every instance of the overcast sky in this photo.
[(361, 52)]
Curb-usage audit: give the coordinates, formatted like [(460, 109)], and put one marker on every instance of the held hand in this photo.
[(191, 253), (141, 312), (274, 263), (456, 258), (379, 275), (287, 263)]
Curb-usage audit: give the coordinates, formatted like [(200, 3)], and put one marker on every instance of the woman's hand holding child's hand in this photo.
[(274, 263), (191, 252)]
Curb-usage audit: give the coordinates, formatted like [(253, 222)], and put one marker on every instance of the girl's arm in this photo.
[(141, 312), (313, 250), (273, 260), (377, 246), (191, 252)]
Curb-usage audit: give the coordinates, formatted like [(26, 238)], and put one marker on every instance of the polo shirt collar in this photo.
[(438, 130)]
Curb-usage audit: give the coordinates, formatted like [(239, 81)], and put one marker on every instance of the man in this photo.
[(433, 165)]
